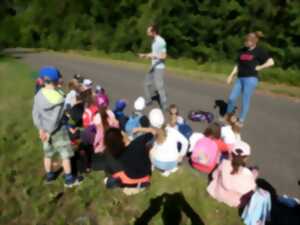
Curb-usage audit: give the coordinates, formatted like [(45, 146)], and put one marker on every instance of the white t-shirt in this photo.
[(159, 46), (70, 99), (168, 150)]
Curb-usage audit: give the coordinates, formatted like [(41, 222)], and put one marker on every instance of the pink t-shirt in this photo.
[(229, 188)]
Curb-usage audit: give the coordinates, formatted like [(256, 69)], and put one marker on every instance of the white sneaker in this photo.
[(105, 180), (152, 168), (132, 191), (166, 173), (174, 170)]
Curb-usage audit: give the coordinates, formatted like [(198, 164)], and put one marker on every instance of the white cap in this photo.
[(241, 148), (228, 135), (98, 88), (87, 84), (140, 104), (156, 118)]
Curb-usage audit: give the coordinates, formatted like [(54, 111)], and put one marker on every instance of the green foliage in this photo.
[(204, 30)]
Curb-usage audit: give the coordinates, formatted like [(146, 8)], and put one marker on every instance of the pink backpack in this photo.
[(205, 155), (102, 100)]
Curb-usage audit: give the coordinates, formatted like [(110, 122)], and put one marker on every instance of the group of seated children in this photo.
[(81, 125)]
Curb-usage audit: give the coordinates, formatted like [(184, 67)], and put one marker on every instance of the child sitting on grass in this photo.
[(208, 149), (176, 121), (165, 154), (232, 179), (127, 163), (48, 109)]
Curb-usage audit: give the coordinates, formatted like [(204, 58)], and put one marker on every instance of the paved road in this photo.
[(272, 128)]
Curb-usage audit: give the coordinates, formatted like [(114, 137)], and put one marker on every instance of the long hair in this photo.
[(161, 134), (113, 140), (88, 97), (255, 36), (237, 161), (104, 117)]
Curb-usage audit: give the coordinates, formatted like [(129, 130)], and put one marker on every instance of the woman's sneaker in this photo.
[(72, 181)]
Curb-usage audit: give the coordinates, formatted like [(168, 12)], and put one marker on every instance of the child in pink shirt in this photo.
[(232, 179)]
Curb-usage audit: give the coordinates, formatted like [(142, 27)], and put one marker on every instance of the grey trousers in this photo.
[(154, 83)]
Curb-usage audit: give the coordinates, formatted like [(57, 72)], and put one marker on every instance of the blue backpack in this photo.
[(185, 130), (133, 122)]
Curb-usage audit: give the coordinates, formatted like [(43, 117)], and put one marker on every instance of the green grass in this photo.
[(24, 199)]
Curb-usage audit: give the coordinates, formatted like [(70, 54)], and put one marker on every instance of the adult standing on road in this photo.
[(154, 80), (251, 60)]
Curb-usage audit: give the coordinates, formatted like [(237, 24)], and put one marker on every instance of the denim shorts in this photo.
[(164, 165), (58, 143)]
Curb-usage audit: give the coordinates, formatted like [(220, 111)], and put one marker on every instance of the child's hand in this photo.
[(73, 130), (135, 130), (44, 136)]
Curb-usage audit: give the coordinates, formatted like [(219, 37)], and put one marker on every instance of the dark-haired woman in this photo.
[(251, 60), (127, 163), (232, 179)]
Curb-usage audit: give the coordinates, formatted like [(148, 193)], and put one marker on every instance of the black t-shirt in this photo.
[(76, 113), (112, 165), (249, 59), (135, 158)]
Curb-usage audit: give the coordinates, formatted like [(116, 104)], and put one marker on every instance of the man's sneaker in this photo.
[(50, 177), (72, 181)]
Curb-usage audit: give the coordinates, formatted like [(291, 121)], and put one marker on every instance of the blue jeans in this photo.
[(246, 86)]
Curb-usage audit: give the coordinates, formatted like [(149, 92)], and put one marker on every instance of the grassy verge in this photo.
[(24, 199), (274, 80)]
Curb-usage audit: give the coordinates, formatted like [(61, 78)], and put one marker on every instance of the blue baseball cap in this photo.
[(49, 73), (120, 105)]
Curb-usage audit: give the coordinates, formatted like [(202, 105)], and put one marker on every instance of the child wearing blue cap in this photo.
[(47, 113)]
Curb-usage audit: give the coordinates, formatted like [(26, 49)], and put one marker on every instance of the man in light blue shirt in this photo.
[(154, 81)]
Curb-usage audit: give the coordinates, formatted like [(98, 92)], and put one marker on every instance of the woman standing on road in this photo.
[(251, 59)]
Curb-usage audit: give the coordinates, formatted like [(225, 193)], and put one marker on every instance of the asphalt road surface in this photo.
[(272, 127)]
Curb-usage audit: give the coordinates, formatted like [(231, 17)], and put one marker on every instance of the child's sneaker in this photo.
[(50, 177), (169, 172), (166, 173), (72, 181), (132, 191), (174, 170)]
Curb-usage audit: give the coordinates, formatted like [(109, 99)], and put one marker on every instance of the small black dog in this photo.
[(222, 105)]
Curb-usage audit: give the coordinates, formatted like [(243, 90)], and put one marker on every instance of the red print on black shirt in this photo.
[(246, 57)]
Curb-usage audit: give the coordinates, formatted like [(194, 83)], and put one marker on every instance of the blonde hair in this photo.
[(74, 85), (161, 134)]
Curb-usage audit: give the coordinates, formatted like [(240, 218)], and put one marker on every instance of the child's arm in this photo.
[(222, 146), (144, 130)]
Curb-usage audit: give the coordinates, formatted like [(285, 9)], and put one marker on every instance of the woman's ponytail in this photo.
[(259, 34)]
